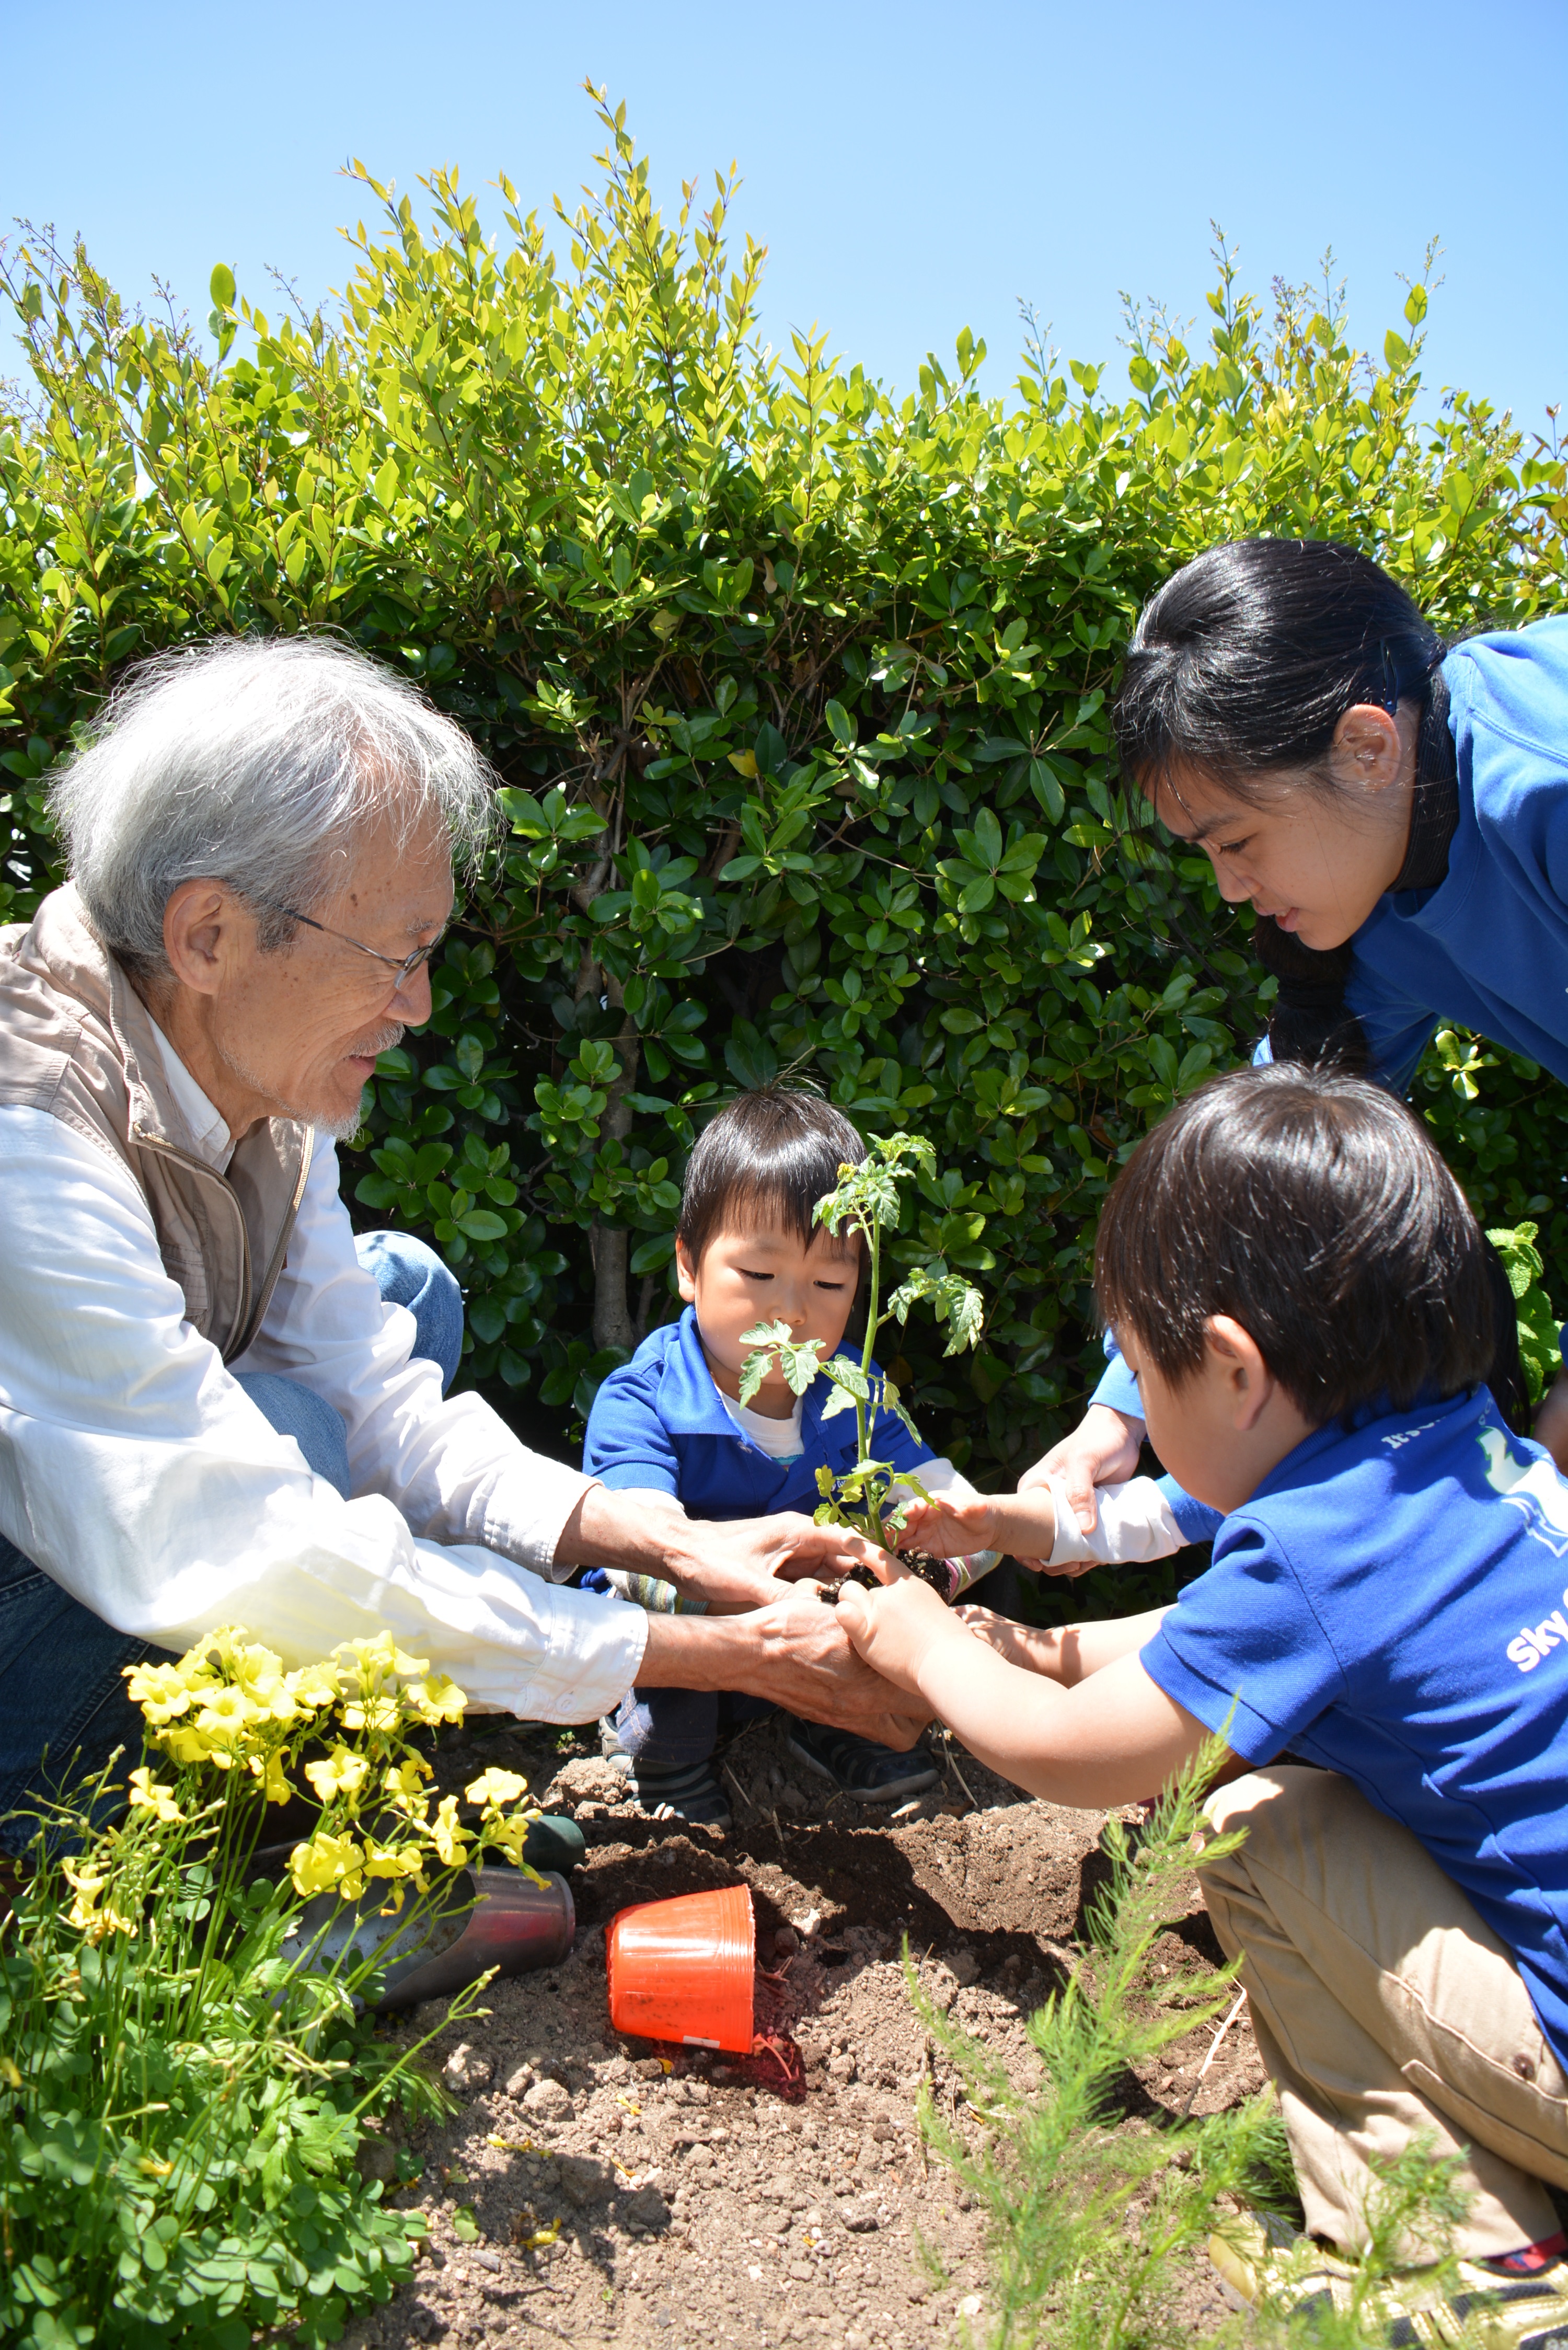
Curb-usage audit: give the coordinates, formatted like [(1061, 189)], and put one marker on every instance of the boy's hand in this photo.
[(947, 1529), (895, 1629), (1024, 1524)]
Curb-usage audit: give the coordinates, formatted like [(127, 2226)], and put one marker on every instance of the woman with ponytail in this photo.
[(1394, 809)]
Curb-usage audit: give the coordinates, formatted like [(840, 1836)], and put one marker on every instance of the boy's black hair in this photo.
[(769, 1155), (1314, 1209)]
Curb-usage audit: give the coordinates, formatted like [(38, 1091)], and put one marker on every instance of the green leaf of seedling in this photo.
[(464, 2226), (839, 1401), (953, 1299), (775, 1342), (891, 1400)]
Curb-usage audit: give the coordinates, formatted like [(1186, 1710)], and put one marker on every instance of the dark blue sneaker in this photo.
[(859, 1766), (679, 1791)]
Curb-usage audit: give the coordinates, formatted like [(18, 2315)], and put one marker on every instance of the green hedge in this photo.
[(798, 691)]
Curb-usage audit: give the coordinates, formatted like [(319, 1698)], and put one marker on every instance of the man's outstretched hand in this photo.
[(795, 1652), (737, 1565)]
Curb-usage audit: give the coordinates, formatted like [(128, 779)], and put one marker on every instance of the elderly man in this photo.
[(215, 1406)]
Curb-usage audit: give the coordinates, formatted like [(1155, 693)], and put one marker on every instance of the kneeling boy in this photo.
[(747, 1250), (1298, 1282)]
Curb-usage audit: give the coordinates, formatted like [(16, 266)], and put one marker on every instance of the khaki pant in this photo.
[(1383, 2007)]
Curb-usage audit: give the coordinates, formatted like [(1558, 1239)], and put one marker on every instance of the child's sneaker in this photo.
[(1258, 2256), (859, 1766), (679, 1791)]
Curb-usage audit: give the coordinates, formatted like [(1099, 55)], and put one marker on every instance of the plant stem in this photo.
[(872, 1233)]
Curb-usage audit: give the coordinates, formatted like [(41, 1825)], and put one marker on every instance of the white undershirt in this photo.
[(779, 1439)]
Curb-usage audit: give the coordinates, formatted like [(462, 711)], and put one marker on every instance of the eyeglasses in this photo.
[(404, 970)]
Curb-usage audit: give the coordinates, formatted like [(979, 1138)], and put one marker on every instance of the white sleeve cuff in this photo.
[(526, 1512), (1135, 1523)]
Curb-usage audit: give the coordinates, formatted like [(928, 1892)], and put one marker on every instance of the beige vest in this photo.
[(77, 1040)]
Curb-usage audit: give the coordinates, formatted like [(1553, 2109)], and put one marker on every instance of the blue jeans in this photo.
[(62, 1666), (677, 1726)]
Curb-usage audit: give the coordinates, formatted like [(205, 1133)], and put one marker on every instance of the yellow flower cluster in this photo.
[(348, 1860), (228, 1700), (229, 1704)]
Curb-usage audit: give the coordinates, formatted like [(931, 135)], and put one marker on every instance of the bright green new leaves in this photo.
[(954, 1300), (866, 1202), (1540, 1340), (799, 1362)]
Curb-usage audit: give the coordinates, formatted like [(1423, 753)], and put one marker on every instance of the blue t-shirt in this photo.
[(1390, 1603), (659, 1421)]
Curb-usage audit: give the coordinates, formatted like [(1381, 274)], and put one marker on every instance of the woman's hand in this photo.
[(1030, 1646), (896, 1628), (1552, 1421), (1102, 1450)]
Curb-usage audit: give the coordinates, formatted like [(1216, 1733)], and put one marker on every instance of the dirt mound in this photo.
[(599, 2190)]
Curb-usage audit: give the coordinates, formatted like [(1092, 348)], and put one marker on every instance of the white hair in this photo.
[(253, 761)]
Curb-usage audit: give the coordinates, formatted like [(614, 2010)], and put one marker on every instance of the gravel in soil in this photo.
[(599, 2190)]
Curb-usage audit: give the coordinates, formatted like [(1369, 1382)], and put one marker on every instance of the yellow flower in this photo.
[(89, 1885), (159, 1691), (509, 1836), (314, 1685), (344, 1772), (393, 1860), (227, 1712), (493, 1787), (381, 1656), (450, 1840), (146, 1794), (437, 1698), (372, 1713), (328, 1860), (275, 1788), (404, 1789), (188, 1745)]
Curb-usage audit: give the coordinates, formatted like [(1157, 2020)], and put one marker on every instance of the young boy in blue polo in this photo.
[(1299, 1286), (747, 1250)]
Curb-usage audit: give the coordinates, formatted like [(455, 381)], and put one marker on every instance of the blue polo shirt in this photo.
[(1390, 1603), (659, 1421)]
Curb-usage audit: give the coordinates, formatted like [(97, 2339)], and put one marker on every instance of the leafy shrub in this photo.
[(797, 691)]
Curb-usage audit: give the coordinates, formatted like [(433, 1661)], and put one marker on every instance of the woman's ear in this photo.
[(1236, 1360), (1369, 750), (686, 1273)]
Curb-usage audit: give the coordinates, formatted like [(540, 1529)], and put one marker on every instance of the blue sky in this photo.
[(913, 169)]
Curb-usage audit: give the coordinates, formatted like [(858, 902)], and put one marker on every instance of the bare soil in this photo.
[(599, 2190)]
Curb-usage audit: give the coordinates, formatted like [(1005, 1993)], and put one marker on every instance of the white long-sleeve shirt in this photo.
[(138, 1474)]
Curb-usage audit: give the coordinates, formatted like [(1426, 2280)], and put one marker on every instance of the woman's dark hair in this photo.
[(1247, 659), (770, 1155), (1313, 1209)]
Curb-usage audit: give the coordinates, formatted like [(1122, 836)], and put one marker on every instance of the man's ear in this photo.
[(1235, 1355), (686, 1273), (200, 923)]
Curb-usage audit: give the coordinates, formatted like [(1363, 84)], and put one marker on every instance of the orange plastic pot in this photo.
[(681, 1970)]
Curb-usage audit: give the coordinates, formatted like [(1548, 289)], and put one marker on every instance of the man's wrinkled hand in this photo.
[(805, 1662), (744, 1563)]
